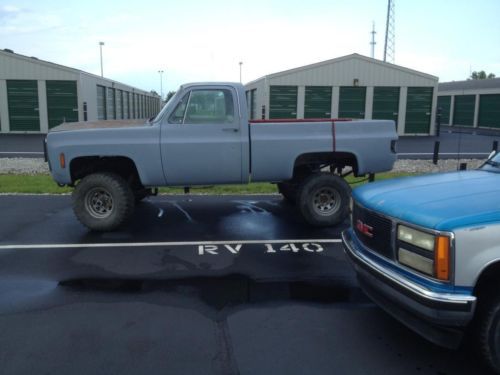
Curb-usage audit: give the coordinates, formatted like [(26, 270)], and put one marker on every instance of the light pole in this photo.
[(161, 83), (241, 63), (100, 50)]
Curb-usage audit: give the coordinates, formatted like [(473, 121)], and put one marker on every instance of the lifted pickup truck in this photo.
[(427, 250), (203, 137)]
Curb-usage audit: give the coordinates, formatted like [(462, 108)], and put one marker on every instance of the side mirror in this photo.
[(492, 153)]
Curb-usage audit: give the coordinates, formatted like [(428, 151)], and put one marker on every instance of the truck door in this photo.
[(201, 138)]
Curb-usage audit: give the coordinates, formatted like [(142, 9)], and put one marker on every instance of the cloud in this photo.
[(9, 9), (15, 21)]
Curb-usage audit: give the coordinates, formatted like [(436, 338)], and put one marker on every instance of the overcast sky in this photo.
[(195, 40)]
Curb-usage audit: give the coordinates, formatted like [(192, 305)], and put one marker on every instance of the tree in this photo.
[(481, 75), (169, 95)]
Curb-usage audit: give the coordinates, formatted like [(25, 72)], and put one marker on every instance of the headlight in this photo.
[(416, 238), (433, 258), (416, 261)]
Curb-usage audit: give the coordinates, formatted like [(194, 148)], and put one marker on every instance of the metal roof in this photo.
[(471, 84), (347, 57), (36, 60)]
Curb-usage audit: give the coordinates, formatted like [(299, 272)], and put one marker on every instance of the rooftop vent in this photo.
[(34, 58), (8, 50)]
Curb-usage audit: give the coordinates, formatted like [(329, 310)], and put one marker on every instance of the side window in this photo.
[(177, 117), (210, 107)]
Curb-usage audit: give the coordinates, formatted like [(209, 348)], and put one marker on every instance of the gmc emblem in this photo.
[(364, 229)]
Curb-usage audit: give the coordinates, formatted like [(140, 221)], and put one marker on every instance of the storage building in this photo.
[(352, 86), (37, 95), (473, 103)]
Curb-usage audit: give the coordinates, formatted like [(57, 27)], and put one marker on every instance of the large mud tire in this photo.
[(323, 199), (103, 201)]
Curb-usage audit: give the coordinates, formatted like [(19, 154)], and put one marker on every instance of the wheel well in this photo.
[(313, 162), (123, 166), (488, 280)]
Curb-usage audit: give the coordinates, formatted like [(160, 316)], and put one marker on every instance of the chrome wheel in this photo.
[(99, 203), (326, 201)]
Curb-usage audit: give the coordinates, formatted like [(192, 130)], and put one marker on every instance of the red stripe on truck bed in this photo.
[(333, 135)]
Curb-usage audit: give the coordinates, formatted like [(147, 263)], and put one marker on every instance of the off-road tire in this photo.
[(488, 315), (103, 201), (288, 191), (323, 199)]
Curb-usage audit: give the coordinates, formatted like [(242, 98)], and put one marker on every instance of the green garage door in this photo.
[(463, 112), (489, 111), (352, 102), (444, 102), (386, 103), (22, 97), (119, 103), (110, 108), (101, 102), (318, 102), (253, 104), (283, 102), (418, 110), (62, 102), (126, 114)]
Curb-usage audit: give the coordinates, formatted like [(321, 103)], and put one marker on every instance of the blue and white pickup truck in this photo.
[(203, 137), (427, 250)]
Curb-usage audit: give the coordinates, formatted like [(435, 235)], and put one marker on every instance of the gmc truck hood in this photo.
[(103, 124), (444, 201)]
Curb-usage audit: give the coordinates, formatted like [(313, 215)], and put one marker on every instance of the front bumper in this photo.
[(440, 317)]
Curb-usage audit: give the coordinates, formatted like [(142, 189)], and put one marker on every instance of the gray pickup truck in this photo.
[(202, 136)]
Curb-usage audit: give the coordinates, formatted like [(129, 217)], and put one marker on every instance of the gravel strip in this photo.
[(33, 166), (29, 166), (426, 166)]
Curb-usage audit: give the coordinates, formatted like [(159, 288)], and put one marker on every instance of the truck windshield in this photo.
[(166, 107)]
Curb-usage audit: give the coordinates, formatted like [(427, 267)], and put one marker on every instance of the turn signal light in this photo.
[(62, 161), (442, 258)]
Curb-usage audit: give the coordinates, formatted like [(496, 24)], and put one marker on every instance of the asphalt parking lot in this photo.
[(193, 284)]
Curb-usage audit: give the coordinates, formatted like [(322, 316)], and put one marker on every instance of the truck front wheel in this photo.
[(489, 332), (103, 201), (323, 199)]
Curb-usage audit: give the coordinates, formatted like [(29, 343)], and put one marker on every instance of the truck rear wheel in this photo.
[(103, 201), (323, 199), (489, 331)]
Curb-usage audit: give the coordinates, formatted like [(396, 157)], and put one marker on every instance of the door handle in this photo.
[(234, 130)]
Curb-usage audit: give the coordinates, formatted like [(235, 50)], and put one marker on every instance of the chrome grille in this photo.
[(378, 236)]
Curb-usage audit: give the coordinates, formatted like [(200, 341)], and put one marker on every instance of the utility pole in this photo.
[(241, 63), (161, 83), (373, 40), (100, 50), (390, 33)]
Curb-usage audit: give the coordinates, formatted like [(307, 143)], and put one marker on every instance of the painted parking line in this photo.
[(20, 152), (443, 153), (157, 244)]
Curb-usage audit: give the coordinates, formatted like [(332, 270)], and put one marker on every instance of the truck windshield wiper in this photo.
[(493, 163)]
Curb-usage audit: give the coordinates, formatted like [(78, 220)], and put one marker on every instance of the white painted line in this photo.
[(156, 244), (443, 153), (21, 152)]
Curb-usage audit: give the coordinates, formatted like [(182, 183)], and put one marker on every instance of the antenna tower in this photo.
[(390, 34), (372, 43)]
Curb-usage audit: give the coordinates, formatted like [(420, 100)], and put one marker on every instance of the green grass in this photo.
[(44, 184)]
